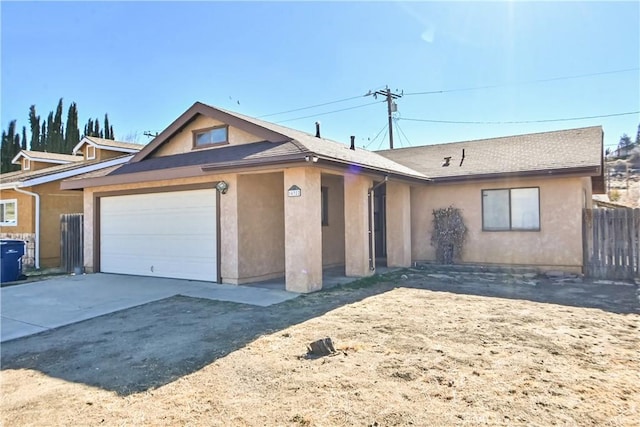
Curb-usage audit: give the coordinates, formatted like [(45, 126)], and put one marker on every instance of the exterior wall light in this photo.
[(222, 187)]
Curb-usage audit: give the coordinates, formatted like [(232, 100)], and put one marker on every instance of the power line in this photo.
[(377, 135), (330, 112), (312, 106), (579, 76), (383, 137), (520, 121), (402, 132)]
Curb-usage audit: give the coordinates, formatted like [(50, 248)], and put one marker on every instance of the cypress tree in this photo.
[(43, 137), (57, 137), (48, 142), (72, 133), (111, 133), (9, 148), (34, 122), (96, 129), (23, 145), (106, 127)]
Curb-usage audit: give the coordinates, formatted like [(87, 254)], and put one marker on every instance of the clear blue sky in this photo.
[(145, 63)]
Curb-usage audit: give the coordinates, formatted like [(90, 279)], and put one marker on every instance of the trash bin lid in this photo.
[(12, 242)]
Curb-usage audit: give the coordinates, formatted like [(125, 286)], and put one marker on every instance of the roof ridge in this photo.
[(492, 138)]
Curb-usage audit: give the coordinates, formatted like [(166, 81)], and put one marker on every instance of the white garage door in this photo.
[(170, 234)]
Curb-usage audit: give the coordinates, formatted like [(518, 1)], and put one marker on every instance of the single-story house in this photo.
[(31, 200), (220, 196)]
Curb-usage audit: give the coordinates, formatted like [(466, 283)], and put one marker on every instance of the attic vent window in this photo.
[(210, 136)]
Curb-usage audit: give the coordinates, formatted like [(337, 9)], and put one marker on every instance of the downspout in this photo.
[(370, 195), (37, 244)]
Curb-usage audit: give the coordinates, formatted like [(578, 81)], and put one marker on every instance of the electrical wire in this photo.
[(319, 105), (383, 137), (402, 132), (520, 121), (312, 106), (376, 137), (579, 76), (330, 112)]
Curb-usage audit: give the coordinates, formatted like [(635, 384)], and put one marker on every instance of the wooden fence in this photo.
[(611, 243), (71, 242)]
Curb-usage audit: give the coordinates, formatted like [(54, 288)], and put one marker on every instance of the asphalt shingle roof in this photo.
[(20, 176), (556, 150), (115, 144), (51, 156)]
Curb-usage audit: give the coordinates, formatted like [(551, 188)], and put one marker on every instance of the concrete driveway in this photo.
[(38, 306)]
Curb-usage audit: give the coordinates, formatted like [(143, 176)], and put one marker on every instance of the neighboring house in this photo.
[(31, 200), (219, 196)]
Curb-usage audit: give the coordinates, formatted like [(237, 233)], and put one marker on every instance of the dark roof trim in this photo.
[(578, 171), (202, 109), (377, 171)]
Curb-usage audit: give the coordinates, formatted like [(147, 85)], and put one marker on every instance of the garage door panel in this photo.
[(170, 234)]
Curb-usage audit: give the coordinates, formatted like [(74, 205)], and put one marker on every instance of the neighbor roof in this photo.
[(53, 173), (108, 144), (566, 151), (43, 156)]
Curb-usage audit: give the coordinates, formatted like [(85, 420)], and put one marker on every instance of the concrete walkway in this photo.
[(38, 306)]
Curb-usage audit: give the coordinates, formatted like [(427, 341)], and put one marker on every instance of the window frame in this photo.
[(26, 164), (91, 149), (324, 205), (509, 189), (196, 132), (15, 209)]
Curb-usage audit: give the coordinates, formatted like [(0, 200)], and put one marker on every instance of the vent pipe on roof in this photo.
[(353, 142), (317, 129)]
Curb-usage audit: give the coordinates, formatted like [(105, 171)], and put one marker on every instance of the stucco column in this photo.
[(88, 226), (303, 230), (229, 270), (398, 215), (356, 221)]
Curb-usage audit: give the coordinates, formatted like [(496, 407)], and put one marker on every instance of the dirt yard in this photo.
[(413, 351)]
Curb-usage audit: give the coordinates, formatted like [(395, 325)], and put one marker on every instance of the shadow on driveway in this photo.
[(154, 344)]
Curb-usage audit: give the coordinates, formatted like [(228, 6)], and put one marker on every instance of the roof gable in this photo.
[(199, 109), (45, 157), (107, 144)]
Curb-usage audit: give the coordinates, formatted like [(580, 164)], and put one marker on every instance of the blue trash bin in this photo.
[(11, 252)]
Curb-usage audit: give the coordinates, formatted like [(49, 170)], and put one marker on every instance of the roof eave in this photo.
[(64, 174), (575, 171)]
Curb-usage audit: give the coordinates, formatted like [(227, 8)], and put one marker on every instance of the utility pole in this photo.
[(391, 108)]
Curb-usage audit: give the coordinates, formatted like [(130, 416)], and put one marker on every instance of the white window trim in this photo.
[(26, 165), (91, 152), (10, 223)]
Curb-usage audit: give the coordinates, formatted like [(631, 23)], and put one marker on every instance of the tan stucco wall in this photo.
[(53, 203), (102, 154), (333, 233), (557, 245), (303, 230), (182, 142), (356, 214), (398, 226), (260, 219), (26, 209), (35, 165)]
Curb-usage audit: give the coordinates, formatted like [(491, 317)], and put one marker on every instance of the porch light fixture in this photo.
[(222, 187)]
